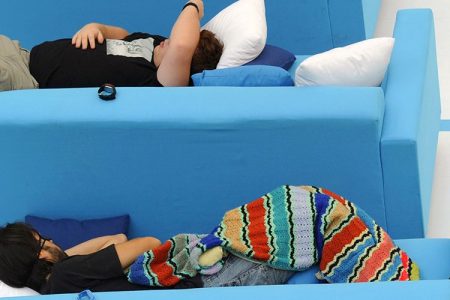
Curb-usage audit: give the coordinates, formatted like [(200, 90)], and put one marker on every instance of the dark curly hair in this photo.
[(208, 52)]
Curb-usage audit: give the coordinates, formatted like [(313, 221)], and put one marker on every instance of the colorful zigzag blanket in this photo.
[(291, 228)]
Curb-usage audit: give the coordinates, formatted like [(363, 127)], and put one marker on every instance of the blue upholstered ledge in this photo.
[(434, 289)]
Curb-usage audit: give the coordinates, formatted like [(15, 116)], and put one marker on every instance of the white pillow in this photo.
[(243, 30), (7, 291), (360, 64)]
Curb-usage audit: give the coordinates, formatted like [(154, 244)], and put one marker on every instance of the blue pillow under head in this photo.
[(257, 75), (69, 232), (274, 56)]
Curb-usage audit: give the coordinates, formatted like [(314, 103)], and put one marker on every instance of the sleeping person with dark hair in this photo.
[(99, 54), (31, 260), (264, 241)]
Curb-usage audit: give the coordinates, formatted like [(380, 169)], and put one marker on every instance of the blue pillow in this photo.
[(256, 75), (69, 232), (274, 56)]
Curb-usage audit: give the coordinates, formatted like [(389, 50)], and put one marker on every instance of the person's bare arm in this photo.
[(96, 32), (96, 244), (175, 66), (129, 251)]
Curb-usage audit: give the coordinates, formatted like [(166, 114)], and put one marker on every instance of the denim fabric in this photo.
[(239, 272)]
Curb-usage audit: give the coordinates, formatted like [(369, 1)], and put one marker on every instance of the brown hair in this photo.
[(207, 54)]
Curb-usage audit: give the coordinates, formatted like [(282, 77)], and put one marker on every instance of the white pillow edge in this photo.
[(9, 291), (257, 35), (307, 66)]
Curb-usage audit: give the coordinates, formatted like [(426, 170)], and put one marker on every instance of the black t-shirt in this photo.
[(127, 62), (98, 272)]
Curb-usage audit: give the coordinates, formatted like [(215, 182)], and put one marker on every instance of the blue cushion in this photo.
[(274, 56), (69, 232), (257, 75)]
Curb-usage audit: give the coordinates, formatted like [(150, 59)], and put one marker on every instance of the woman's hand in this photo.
[(89, 34)]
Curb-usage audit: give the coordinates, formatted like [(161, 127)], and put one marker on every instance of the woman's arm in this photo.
[(96, 244), (92, 32)]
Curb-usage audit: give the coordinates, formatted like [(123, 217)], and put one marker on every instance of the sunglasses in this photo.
[(42, 241)]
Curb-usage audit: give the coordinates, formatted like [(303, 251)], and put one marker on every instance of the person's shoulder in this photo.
[(57, 279), (60, 267)]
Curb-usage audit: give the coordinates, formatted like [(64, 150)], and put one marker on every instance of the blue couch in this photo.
[(175, 159), (375, 146)]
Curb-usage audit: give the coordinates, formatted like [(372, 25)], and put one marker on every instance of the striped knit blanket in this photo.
[(291, 228)]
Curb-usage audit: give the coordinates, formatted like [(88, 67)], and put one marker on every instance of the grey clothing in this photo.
[(14, 70)]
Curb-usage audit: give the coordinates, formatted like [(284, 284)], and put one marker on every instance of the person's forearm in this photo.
[(96, 244), (92, 33), (186, 30), (129, 251), (113, 32), (174, 69)]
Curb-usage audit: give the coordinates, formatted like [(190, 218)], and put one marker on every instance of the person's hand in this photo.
[(199, 3), (88, 36)]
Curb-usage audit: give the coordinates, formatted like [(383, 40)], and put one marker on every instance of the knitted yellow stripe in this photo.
[(336, 219), (233, 225), (415, 273)]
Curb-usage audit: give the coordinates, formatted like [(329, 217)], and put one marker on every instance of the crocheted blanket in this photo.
[(291, 228)]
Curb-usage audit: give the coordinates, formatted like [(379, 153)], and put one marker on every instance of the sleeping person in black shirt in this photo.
[(29, 259), (99, 54)]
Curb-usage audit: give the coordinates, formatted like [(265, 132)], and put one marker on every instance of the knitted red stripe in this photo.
[(333, 195), (336, 244), (159, 266), (257, 230), (405, 262), (376, 259)]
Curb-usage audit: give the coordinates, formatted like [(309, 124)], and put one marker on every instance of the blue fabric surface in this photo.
[(411, 127), (274, 56), (371, 10), (343, 18), (431, 255), (302, 27), (298, 60), (415, 290), (445, 125), (148, 140), (152, 152), (250, 76), (70, 232)]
